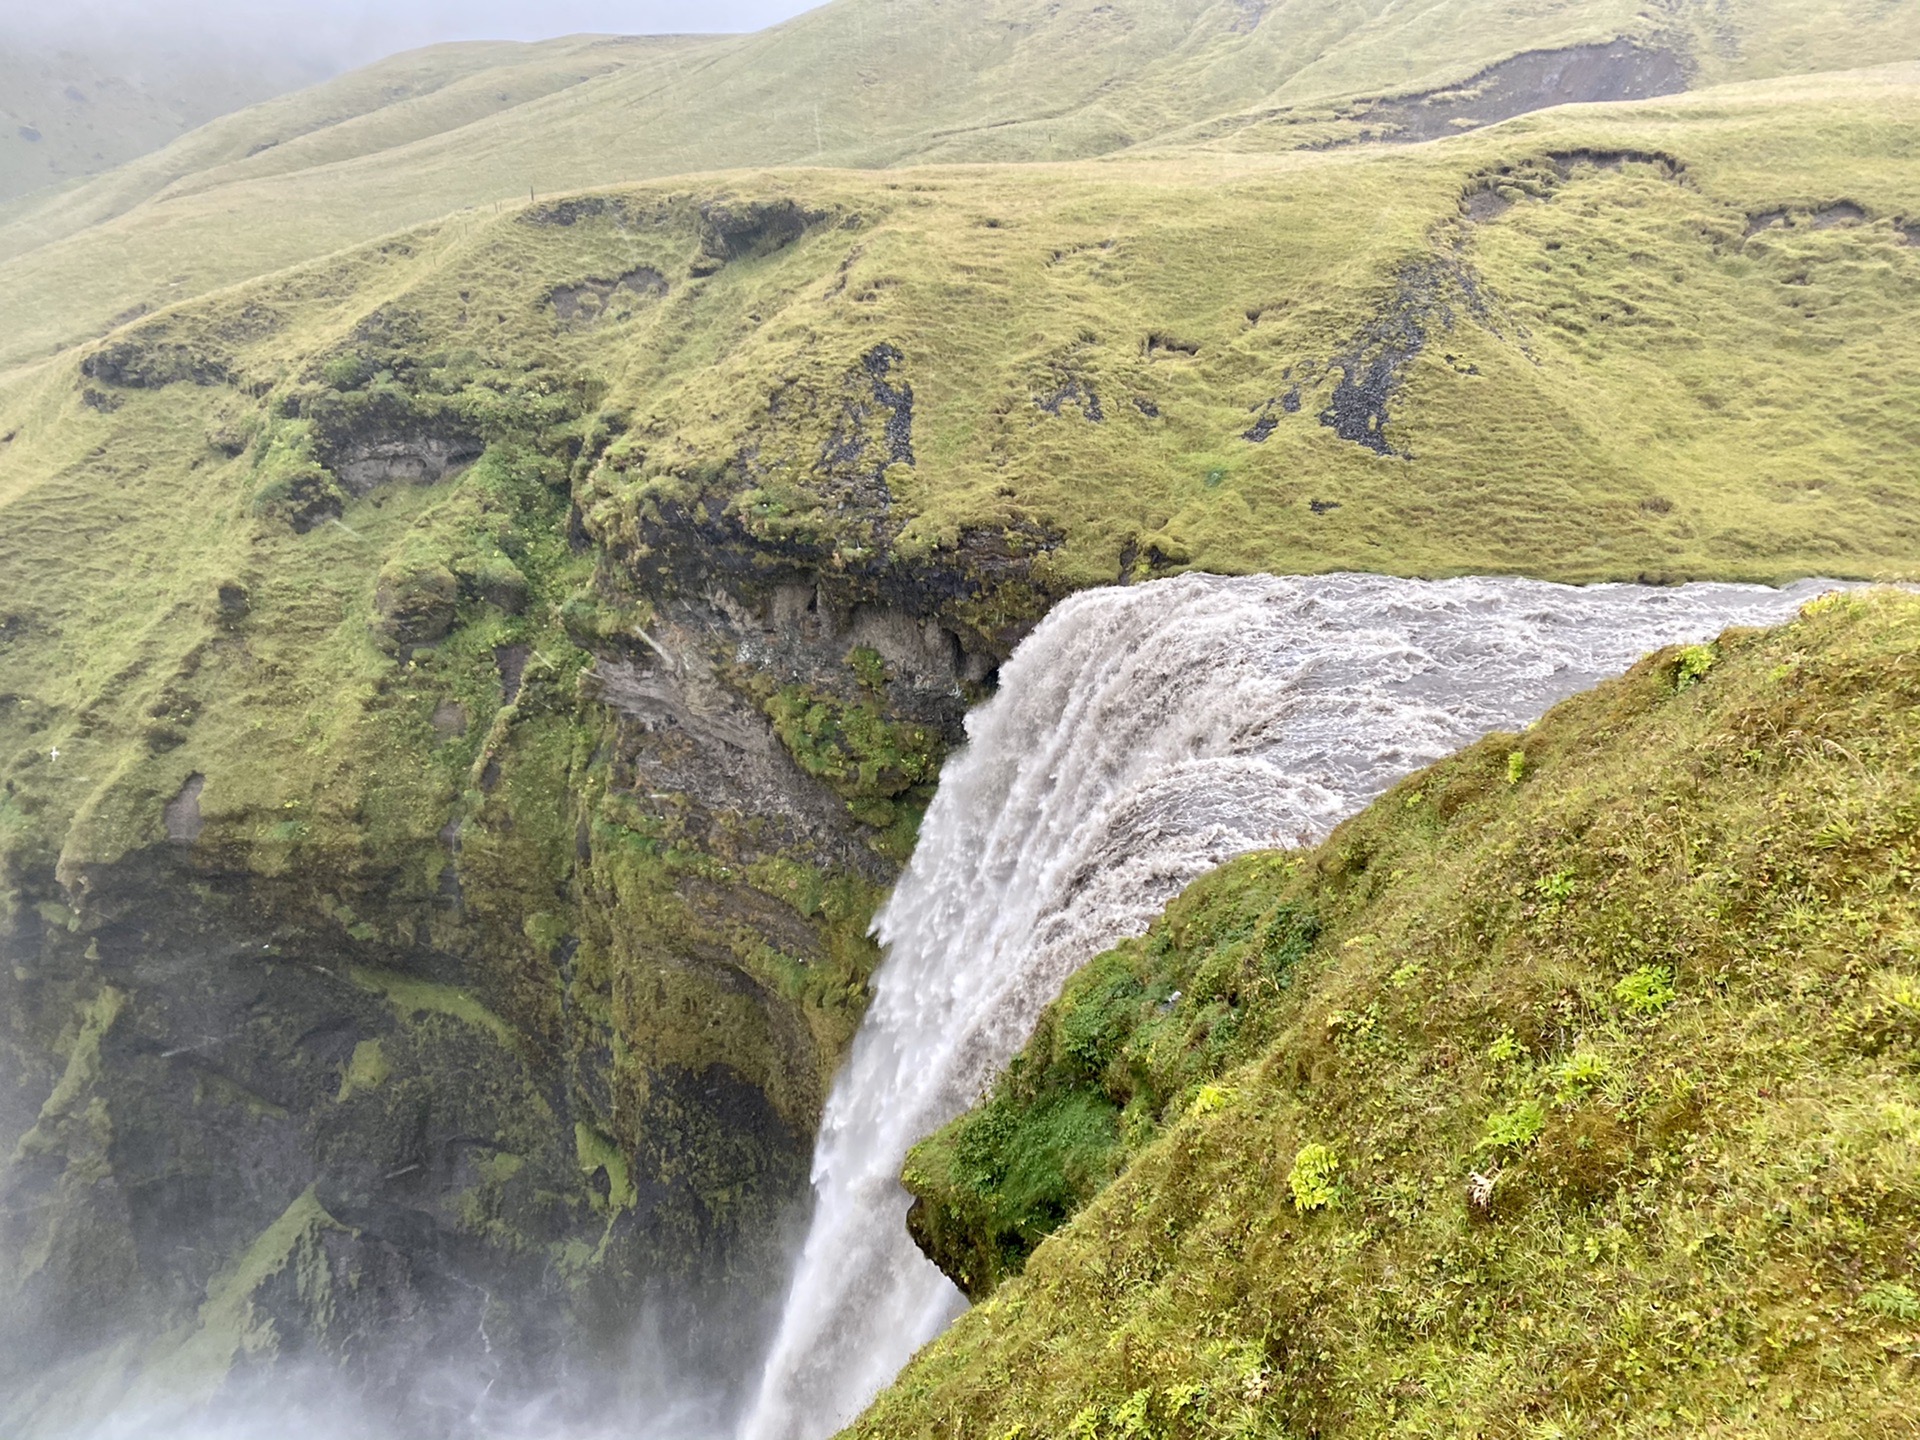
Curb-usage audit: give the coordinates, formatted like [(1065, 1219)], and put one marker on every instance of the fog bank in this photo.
[(353, 32)]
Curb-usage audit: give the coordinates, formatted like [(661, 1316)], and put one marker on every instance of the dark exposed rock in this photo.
[(734, 229), (168, 350), (980, 587), (897, 400), (1536, 80), (1434, 295), (1430, 295), (418, 458), (848, 453), (587, 301), (225, 1030), (572, 210), (182, 816), (1073, 390), (137, 363), (1159, 346)]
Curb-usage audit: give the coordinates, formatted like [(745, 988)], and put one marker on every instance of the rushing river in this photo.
[(1140, 737)]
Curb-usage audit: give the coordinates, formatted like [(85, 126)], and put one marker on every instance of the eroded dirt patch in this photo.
[(1492, 193), (1835, 215), (1536, 80), (749, 229), (590, 300)]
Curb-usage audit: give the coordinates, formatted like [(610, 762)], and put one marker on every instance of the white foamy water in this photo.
[(1140, 737)]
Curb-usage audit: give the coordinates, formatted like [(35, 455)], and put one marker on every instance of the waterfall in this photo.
[(1140, 737)]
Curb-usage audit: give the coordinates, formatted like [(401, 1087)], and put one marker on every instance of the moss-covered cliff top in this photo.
[(1572, 1089)]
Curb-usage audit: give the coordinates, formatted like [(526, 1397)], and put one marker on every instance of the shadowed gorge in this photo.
[(502, 553)]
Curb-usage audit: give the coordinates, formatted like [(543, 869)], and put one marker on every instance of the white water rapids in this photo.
[(1140, 737)]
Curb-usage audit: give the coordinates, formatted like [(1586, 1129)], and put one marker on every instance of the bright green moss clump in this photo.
[(1133, 1043), (870, 761), (1637, 1156)]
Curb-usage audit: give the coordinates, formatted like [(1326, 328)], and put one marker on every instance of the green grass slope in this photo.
[(381, 107), (858, 83), (1572, 1089), (67, 113)]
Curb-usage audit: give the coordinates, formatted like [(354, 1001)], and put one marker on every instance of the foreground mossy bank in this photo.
[(1572, 1089)]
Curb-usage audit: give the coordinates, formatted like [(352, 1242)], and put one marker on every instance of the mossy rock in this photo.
[(415, 602)]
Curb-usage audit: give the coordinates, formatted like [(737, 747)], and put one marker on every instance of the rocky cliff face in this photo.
[(504, 1025)]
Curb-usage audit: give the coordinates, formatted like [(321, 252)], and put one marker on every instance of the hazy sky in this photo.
[(354, 31)]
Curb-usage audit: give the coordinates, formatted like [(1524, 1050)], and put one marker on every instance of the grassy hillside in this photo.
[(381, 107), (1572, 1089), (1296, 363), (470, 667), (858, 83), (68, 112)]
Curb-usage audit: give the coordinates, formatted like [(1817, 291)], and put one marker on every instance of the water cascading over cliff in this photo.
[(1140, 737)]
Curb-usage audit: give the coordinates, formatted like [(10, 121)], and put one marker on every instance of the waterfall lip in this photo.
[(1140, 736)]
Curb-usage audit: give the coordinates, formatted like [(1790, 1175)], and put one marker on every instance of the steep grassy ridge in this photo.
[(1574, 1088), (858, 83)]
